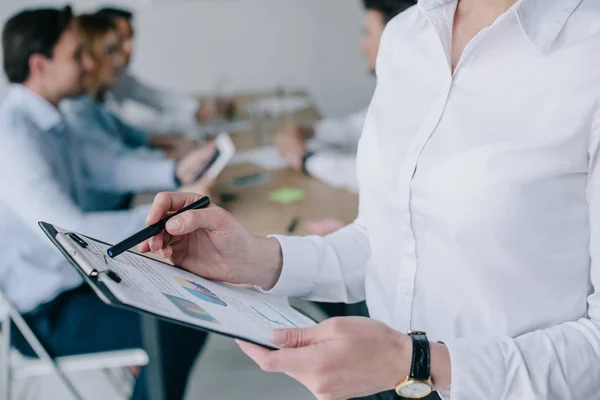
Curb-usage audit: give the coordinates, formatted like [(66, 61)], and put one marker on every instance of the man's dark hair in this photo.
[(388, 8), (34, 31), (114, 12)]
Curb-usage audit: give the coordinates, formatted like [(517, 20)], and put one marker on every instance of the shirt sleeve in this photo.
[(32, 192), (335, 169), (342, 132), (127, 172), (561, 362), (330, 268), (176, 111)]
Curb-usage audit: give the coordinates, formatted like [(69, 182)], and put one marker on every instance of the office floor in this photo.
[(223, 372)]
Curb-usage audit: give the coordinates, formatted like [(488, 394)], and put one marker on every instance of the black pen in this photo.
[(293, 225), (152, 230)]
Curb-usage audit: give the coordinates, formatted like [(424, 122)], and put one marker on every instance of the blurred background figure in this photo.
[(139, 159), (337, 138), (42, 169), (175, 112)]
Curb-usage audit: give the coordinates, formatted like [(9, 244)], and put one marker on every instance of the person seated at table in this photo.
[(336, 165), (175, 112), (135, 167), (41, 168)]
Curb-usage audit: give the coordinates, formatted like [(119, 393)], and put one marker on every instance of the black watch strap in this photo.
[(305, 158), (420, 366)]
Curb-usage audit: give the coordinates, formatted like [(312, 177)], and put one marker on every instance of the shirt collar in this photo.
[(541, 20), (41, 112)]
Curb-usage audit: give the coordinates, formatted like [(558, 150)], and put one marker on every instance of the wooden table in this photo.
[(261, 216)]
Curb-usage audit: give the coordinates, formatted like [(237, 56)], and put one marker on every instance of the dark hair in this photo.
[(93, 28), (34, 31), (113, 12), (388, 8), (92, 24)]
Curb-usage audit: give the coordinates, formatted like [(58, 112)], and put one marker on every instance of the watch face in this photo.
[(415, 390)]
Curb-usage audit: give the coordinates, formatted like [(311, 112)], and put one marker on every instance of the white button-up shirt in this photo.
[(479, 215)]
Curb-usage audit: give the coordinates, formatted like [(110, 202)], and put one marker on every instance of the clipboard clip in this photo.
[(82, 243), (109, 273), (112, 275)]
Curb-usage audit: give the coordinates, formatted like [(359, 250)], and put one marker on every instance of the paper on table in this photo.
[(164, 290), (276, 106), (267, 157)]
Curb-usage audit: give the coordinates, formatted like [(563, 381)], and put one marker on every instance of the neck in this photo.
[(38, 89)]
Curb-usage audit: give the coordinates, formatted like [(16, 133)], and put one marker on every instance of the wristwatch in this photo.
[(417, 384)]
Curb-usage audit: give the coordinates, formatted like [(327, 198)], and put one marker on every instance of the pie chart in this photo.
[(200, 292)]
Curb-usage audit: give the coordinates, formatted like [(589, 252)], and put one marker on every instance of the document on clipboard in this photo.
[(144, 285)]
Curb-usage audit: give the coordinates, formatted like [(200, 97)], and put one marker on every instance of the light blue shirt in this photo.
[(41, 170), (106, 139)]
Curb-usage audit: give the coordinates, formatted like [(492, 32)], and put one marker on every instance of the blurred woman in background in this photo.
[(141, 160)]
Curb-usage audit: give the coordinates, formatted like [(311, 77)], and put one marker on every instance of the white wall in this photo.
[(254, 44)]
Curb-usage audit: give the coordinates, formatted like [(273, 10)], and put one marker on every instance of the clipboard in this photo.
[(145, 285)]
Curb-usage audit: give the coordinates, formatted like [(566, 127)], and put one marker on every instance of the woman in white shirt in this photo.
[(479, 217)]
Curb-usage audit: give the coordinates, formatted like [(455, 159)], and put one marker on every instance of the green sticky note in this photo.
[(286, 195)]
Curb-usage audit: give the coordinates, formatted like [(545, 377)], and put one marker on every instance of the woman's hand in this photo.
[(340, 358), (343, 358), (212, 244)]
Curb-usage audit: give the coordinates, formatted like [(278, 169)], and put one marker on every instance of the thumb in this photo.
[(298, 337), (210, 219)]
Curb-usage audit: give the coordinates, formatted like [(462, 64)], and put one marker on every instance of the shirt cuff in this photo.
[(299, 267), (477, 368), (166, 171)]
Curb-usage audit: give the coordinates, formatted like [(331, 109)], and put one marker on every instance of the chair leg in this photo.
[(41, 352), (5, 347)]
